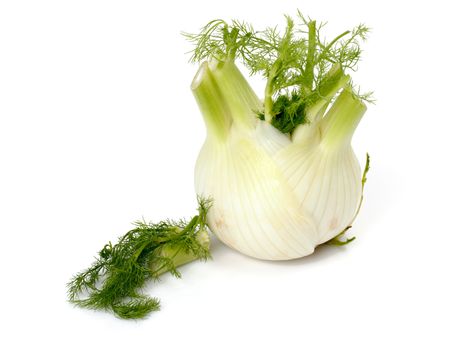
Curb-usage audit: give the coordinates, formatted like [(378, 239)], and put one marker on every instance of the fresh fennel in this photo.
[(279, 173)]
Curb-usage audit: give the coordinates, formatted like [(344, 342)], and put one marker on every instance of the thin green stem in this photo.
[(310, 61), (232, 44), (139, 251), (268, 102), (268, 93), (190, 225), (363, 183), (331, 44)]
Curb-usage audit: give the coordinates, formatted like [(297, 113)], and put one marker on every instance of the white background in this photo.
[(98, 128)]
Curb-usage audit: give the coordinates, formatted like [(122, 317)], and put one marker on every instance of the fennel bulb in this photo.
[(281, 173)]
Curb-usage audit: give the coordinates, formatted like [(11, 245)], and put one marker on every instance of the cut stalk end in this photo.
[(240, 97), (211, 103), (340, 122), (179, 256)]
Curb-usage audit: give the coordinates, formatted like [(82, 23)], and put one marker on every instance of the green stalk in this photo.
[(212, 103), (178, 255), (241, 100), (325, 91), (318, 101), (268, 101), (341, 121), (224, 97)]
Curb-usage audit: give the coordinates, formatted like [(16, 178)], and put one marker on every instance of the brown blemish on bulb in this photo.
[(333, 223), (220, 223), (221, 228)]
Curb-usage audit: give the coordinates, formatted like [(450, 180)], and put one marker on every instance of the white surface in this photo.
[(98, 128)]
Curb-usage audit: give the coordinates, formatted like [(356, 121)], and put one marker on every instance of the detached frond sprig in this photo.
[(116, 279)]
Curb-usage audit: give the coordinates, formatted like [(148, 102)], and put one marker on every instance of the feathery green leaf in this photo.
[(115, 280), (296, 62)]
